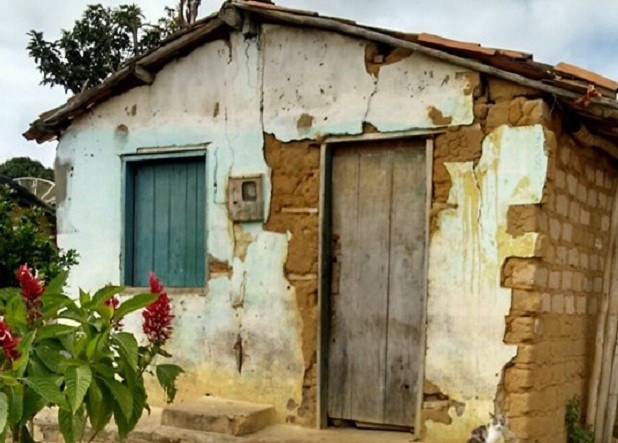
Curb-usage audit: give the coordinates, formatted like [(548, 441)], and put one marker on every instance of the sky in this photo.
[(581, 32)]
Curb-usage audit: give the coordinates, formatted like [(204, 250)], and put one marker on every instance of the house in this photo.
[(355, 224)]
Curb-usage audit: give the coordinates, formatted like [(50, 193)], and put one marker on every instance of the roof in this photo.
[(586, 94)]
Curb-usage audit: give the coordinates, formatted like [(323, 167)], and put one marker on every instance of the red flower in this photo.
[(113, 302), (158, 315), (9, 341), (31, 290)]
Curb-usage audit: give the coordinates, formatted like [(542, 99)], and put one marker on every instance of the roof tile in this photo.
[(473, 48), (589, 76)]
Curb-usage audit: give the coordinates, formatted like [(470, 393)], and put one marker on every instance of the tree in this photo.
[(25, 167), (101, 41)]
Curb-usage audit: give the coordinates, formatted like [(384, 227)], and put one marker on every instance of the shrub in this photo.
[(74, 354), (23, 239)]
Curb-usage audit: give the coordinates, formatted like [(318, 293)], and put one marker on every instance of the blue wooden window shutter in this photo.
[(166, 226)]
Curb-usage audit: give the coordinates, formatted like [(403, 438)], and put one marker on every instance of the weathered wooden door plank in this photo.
[(406, 286), (345, 192)]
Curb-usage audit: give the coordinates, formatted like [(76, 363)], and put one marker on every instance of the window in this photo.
[(165, 223)]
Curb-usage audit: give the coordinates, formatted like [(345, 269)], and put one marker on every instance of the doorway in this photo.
[(374, 272)]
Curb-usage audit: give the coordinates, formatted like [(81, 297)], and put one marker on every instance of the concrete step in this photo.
[(220, 415)]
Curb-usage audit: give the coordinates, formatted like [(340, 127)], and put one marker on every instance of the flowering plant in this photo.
[(74, 354)]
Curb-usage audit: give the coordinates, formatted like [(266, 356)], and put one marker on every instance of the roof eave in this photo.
[(231, 16)]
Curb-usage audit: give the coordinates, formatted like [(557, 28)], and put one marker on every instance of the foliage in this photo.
[(73, 354), (23, 240), (576, 432), (25, 167), (98, 44)]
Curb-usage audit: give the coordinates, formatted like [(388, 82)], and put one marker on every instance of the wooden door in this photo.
[(378, 280)]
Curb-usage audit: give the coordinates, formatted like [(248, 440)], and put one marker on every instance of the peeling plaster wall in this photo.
[(210, 99), (466, 303), (294, 84), (317, 84)]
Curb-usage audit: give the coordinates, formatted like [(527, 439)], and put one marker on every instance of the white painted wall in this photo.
[(224, 97)]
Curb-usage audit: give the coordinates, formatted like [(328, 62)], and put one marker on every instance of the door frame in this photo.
[(324, 259)]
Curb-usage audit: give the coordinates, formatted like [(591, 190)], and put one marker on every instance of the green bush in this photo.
[(23, 239), (74, 355)]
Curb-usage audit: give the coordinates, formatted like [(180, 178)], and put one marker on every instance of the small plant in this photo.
[(576, 431), (74, 354)]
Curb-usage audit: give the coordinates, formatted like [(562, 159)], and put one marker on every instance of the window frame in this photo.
[(129, 164)]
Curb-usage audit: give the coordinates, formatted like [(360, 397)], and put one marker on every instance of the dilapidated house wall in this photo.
[(519, 218), (255, 105), (555, 295), (557, 234)]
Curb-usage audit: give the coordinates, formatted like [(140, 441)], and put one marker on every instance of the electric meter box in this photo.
[(246, 198)]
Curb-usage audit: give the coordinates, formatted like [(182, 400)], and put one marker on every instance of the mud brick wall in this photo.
[(556, 294), (294, 208), (497, 103)]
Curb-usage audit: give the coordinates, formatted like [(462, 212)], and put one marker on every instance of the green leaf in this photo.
[(121, 396), (98, 407), (163, 352), (54, 331), (126, 425), (74, 314), (52, 303), (104, 311), (47, 389), (84, 297), (136, 302), (16, 404), (77, 381), (9, 293), (4, 410), (20, 365), (71, 425), (98, 345), (56, 285), (127, 348), (52, 359), (33, 403), (8, 380), (106, 293), (167, 375), (16, 312)]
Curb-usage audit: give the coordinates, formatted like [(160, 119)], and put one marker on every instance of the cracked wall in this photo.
[(303, 75), (256, 105)]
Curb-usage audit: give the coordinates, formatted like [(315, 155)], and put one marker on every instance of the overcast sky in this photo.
[(582, 32)]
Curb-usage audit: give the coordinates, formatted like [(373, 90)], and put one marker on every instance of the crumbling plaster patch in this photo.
[(304, 79), (466, 304)]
